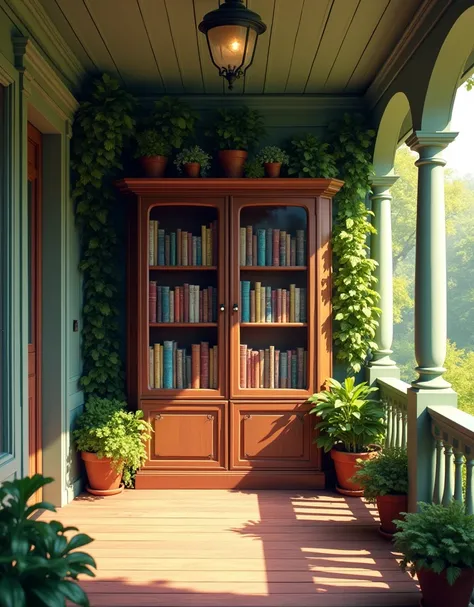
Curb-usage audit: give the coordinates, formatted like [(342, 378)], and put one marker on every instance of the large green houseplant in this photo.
[(112, 442), (350, 426), (39, 561), (384, 479), (438, 546), (152, 150)]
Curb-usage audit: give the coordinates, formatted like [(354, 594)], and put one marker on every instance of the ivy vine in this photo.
[(102, 125), (354, 297)]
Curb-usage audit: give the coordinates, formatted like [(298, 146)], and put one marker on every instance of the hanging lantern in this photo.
[(232, 31)]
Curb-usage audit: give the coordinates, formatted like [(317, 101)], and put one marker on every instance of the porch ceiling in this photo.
[(310, 47)]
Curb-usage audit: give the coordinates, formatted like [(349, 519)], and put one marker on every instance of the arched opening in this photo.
[(396, 115)]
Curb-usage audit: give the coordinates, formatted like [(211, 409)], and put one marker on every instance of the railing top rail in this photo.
[(392, 384), (459, 422)]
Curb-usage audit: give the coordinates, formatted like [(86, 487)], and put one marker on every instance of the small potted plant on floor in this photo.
[(39, 561), (272, 158), (351, 426), (437, 544), (235, 132), (384, 479), (152, 152), (193, 161), (112, 442)]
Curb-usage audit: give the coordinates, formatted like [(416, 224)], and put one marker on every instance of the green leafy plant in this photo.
[(439, 538), (272, 153), (253, 169), (309, 157), (385, 474), (354, 298), (237, 129), (174, 121), (106, 428), (151, 143), (39, 561), (194, 154), (348, 417), (102, 125)]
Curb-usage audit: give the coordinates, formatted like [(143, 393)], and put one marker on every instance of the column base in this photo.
[(375, 372), (430, 378)]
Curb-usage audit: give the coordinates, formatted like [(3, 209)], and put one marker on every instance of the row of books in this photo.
[(264, 304), (188, 303), (271, 247), (271, 368), (182, 248), (172, 367)]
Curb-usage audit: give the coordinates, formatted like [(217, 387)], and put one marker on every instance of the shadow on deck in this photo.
[(238, 549)]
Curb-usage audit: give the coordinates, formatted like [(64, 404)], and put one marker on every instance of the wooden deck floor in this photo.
[(245, 549)]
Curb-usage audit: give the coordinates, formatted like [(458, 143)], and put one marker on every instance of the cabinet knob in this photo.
[(235, 308), (222, 308)]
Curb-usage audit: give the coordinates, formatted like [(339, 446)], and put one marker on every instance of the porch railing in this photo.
[(393, 395)]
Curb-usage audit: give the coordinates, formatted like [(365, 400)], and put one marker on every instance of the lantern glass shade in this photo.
[(232, 47)]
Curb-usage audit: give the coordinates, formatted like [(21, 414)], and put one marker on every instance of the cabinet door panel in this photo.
[(272, 436), (186, 435)]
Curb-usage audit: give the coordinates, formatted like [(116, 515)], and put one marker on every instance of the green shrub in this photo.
[(237, 129), (309, 157), (106, 428), (253, 169), (174, 120), (38, 563), (386, 474), (272, 153), (348, 417), (194, 154), (440, 538), (151, 143)]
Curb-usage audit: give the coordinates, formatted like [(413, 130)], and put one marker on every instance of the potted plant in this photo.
[(351, 426), (174, 120), (194, 161), (437, 544), (253, 169), (236, 131), (39, 563), (384, 479), (309, 157), (152, 151), (112, 444), (272, 158)]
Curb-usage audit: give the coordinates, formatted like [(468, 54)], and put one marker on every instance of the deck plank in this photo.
[(237, 549)]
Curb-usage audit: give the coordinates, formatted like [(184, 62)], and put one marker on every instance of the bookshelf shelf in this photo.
[(273, 325), (273, 268), (182, 325), (183, 268)]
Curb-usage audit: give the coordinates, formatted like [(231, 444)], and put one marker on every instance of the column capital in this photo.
[(424, 139), (385, 181)]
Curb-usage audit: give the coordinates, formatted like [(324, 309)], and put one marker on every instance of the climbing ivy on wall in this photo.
[(354, 297), (102, 125)]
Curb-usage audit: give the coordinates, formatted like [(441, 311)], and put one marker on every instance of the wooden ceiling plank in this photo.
[(387, 34), (366, 19), (159, 32), (255, 76), (77, 15), (213, 83), (184, 31), (339, 21), (127, 40), (286, 22), (313, 20)]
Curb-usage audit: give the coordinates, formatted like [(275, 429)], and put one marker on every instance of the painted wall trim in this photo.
[(33, 16)]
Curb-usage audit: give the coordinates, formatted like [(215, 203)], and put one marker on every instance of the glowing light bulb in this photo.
[(235, 46)]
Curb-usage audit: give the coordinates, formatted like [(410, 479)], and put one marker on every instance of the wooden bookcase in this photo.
[(241, 428)]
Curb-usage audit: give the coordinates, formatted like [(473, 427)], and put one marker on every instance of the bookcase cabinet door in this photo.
[(272, 436), (186, 435)]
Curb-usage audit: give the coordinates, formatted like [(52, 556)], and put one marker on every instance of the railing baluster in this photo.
[(458, 464), (404, 428), (397, 425), (392, 425), (448, 475), (469, 485), (437, 491), (387, 421)]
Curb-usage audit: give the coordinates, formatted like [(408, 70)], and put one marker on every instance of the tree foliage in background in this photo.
[(354, 298), (102, 125)]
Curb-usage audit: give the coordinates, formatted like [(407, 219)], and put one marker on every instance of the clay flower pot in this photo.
[(389, 507), (272, 169), (192, 169), (438, 593), (103, 478), (154, 166), (346, 466), (232, 162)]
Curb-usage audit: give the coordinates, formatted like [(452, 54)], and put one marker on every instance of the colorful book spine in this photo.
[(152, 301), (199, 251), (209, 247), (173, 249), (245, 300), (282, 248), (276, 381), (165, 294), (184, 248), (159, 303), (243, 247), (254, 250), (203, 245), (167, 250), (243, 365), (258, 301), (283, 369), (168, 365), (161, 247), (288, 250), (293, 252), (189, 367), (300, 261), (248, 247), (261, 247), (269, 247), (196, 366), (297, 304), (268, 304), (204, 365), (300, 367), (294, 370), (151, 243), (276, 247), (272, 369), (292, 303), (252, 305), (172, 307)]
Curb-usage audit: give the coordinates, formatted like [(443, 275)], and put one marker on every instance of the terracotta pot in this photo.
[(346, 466), (389, 507), (272, 169), (192, 169), (154, 166), (438, 593), (100, 473), (232, 162)]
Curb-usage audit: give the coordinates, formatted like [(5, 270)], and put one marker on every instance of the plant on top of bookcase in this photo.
[(194, 161), (152, 151), (174, 120), (272, 158), (235, 131), (253, 169), (310, 157)]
